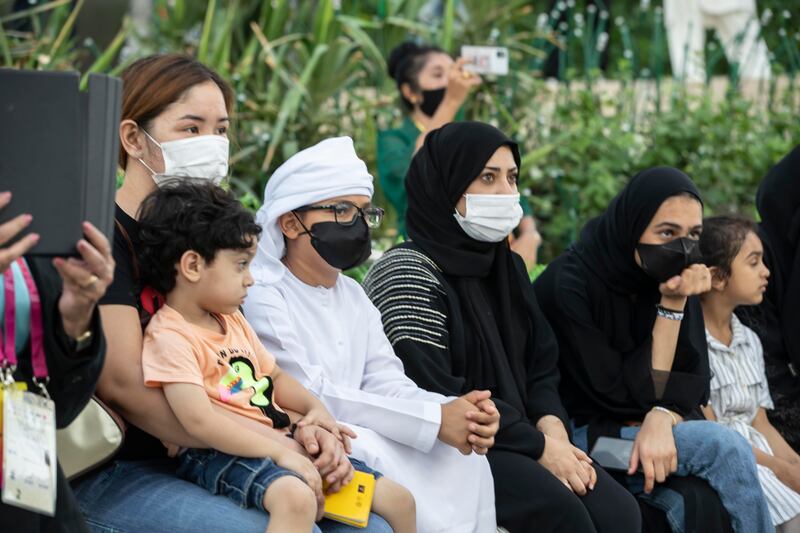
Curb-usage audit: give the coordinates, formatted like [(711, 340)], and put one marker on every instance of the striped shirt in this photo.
[(738, 390), (404, 287)]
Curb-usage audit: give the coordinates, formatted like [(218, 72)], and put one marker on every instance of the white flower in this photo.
[(619, 21), (628, 53), (541, 21), (766, 16), (602, 42)]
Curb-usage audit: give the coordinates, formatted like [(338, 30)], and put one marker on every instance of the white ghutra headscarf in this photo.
[(327, 170)]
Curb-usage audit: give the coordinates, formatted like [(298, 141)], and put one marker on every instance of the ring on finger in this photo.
[(91, 282), (466, 74)]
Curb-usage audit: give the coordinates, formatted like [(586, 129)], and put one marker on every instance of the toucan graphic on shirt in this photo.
[(241, 375)]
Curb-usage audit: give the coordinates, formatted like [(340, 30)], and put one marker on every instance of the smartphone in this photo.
[(486, 60), (611, 453)]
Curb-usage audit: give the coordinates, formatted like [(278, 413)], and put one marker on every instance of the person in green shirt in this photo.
[(432, 90)]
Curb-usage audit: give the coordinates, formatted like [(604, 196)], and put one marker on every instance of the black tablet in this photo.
[(58, 149)]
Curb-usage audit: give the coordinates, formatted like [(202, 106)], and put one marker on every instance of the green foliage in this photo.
[(304, 71), (587, 149)]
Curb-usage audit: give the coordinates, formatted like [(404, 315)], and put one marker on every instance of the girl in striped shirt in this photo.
[(739, 393)]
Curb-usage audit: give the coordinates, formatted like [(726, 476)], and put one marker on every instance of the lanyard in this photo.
[(8, 352)]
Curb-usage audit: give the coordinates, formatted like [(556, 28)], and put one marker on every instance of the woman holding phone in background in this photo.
[(432, 88)]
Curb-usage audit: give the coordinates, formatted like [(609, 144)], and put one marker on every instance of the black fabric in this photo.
[(73, 377), (776, 319), (703, 510), (435, 357), (602, 307), (529, 498), (504, 332), (778, 203), (607, 242), (126, 290)]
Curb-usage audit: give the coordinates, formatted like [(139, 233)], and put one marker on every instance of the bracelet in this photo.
[(669, 314), (665, 410), (292, 429)]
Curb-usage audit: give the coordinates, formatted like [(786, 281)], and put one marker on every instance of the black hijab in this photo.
[(496, 298), (778, 203), (607, 242), (624, 296)]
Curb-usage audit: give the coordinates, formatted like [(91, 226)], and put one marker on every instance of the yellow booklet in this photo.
[(352, 504)]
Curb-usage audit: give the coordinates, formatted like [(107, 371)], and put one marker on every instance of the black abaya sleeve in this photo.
[(541, 365), (429, 367), (610, 382), (73, 376)]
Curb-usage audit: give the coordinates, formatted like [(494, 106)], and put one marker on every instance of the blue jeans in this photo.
[(136, 496), (717, 455), (241, 479)]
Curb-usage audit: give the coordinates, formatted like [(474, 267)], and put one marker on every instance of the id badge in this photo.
[(29, 451)]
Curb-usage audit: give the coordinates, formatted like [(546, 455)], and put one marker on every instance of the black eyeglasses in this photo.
[(345, 213)]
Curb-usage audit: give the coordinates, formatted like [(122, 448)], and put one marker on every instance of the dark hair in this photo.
[(405, 63), (722, 239), (189, 215), (153, 83)]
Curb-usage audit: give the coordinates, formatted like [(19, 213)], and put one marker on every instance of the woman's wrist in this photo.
[(673, 303), (76, 327), (673, 416), (552, 426), (659, 417)]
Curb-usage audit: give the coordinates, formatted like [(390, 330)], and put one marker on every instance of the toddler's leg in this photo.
[(396, 505), (291, 505)]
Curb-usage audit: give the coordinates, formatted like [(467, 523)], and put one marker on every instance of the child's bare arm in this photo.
[(276, 435), (194, 411), (779, 446), (291, 394)]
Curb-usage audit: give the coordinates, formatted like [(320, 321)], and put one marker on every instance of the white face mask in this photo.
[(490, 217), (201, 157)]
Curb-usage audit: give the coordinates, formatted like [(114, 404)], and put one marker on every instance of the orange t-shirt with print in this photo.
[(233, 367)]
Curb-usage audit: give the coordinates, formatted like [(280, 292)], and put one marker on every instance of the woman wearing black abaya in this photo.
[(460, 311), (633, 354), (777, 319)]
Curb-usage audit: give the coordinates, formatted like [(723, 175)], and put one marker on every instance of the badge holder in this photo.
[(28, 438)]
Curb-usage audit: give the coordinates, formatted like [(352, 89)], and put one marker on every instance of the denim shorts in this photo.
[(242, 480)]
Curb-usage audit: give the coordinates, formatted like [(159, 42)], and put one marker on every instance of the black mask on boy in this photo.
[(663, 261), (431, 100), (342, 247)]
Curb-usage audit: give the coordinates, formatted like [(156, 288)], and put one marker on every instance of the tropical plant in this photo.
[(306, 70)]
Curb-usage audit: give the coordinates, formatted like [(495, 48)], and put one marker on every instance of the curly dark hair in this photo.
[(722, 239), (189, 215)]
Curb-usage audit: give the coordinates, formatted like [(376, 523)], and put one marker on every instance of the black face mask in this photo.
[(431, 100), (342, 247), (664, 261)]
